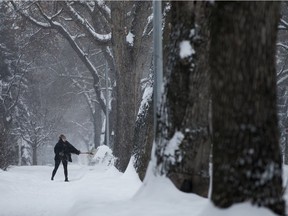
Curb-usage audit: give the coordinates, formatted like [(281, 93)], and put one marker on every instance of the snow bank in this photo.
[(130, 172), (103, 156), (28, 190), (246, 209)]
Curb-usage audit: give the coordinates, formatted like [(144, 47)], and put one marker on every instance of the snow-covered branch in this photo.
[(102, 4), (88, 98), (282, 79), (89, 4), (30, 18), (147, 29), (57, 13), (140, 23), (283, 25), (80, 125), (52, 23), (282, 45), (76, 77), (104, 38), (104, 9)]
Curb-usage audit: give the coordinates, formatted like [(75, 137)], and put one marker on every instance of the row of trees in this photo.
[(9, 81), (210, 96), (92, 30), (33, 107)]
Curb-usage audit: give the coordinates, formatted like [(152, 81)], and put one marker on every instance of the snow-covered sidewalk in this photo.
[(100, 191), (29, 191)]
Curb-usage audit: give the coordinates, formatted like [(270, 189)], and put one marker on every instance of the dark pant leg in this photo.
[(65, 164), (57, 163)]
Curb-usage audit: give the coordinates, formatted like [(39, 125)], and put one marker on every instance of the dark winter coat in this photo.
[(63, 150)]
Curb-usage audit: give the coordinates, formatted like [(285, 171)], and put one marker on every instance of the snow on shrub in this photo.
[(103, 156)]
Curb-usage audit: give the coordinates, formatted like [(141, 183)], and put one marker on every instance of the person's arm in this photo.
[(72, 149)]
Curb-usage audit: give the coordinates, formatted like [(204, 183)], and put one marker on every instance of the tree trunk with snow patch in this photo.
[(143, 135), (183, 142)]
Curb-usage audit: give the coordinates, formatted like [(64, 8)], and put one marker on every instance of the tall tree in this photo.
[(246, 158), (183, 143), (130, 41)]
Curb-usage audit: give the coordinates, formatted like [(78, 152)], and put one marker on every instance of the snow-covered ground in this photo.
[(98, 190)]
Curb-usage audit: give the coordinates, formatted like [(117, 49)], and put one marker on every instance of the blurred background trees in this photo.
[(68, 47)]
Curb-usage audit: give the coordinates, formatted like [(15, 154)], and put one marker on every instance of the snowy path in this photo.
[(28, 191)]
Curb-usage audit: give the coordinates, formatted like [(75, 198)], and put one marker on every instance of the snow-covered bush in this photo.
[(103, 156)]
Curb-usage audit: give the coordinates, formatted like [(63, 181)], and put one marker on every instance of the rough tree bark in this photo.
[(143, 135), (125, 94), (184, 112), (246, 157), (129, 62)]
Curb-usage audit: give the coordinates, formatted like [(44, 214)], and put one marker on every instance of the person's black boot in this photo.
[(66, 180), (53, 174)]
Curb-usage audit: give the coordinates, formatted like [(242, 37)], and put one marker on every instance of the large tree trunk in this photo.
[(246, 157), (130, 61), (184, 112), (125, 89)]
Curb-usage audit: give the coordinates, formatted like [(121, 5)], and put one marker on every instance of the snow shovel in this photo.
[(90, 153)]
